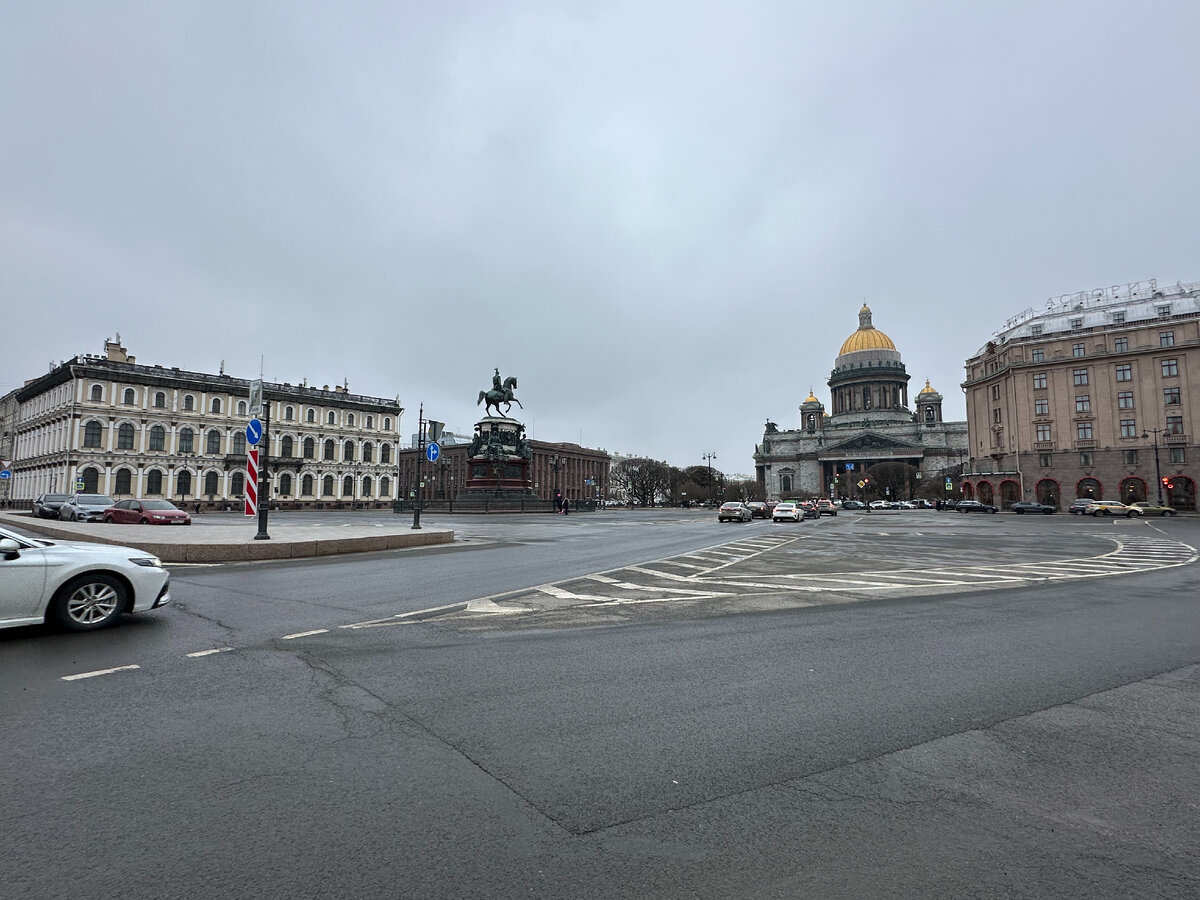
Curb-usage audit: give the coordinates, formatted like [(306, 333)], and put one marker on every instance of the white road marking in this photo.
[(200, 653), (300, 634), (98, 672)]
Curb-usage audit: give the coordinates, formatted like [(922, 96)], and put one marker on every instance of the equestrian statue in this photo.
[(501, 392)]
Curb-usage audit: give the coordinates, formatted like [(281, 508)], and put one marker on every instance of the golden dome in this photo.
[(811, 397), (868, 337), (927, 389)]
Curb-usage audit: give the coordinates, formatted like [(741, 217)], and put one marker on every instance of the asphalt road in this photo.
[(1028, 735)]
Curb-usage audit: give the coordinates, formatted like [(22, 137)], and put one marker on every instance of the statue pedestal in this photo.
[(498, 470)]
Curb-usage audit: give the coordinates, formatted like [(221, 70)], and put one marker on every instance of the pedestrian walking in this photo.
[(566, 507)]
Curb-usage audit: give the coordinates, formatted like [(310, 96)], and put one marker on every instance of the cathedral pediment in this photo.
[(872, 442)]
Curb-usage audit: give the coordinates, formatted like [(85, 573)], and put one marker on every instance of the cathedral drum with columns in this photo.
[(869, 421)]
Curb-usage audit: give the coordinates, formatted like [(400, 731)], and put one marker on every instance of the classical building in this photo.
[(8, 442), (869, 420), (128, 430), (1093, 395)]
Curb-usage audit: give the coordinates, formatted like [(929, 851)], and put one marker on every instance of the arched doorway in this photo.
[(1010, 493), (968, 490), (1089, 488), (984, 492), (1048, 492), (1181, 493), (1133, 490), (91, 480)]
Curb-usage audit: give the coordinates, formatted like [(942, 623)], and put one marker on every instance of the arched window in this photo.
[(348, 451), (366, 486), (1010, 493), (310, 448), (866, 398), (189, 403), (327, 486), (158, 437), (370, 421), (785, 483), (216, 404), (348, 486), (285, 484), (385, 487), (154, 482), (129, 399), (985, 493), (210, 484), (241, 408), (239, 442), (91, 434), (285, 447), (124, 482), (1089, 488), (385, 453), (91, 481), (289, 413), (331, 418), (1047, 492), (183, 482), (368, 452), (329, 449), (97, 393), (187, 441), (237, 484), (387, 424), (125, 436), (1133, 490), (311, 416), (306, 486), (160, 400), (929, 414), (349, 420), (213, 444)]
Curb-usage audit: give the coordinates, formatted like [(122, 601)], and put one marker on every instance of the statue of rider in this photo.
[(496, 385)]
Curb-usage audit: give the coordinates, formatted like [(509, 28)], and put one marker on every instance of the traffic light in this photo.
[(1166, 482)]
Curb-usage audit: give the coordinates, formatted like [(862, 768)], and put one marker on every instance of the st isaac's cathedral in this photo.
[(869, 421)]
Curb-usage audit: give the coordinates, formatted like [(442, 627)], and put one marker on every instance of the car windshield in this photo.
[(55, 498), (159, 504), (94, 500)]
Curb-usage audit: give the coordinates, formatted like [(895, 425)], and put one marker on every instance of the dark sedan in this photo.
[(967, 506), (1028, 506), (46, 506)]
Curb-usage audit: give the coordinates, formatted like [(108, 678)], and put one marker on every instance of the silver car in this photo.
[(80, 586), (85, 508)]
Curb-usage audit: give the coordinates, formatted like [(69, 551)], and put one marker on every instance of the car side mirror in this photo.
[(10, 548)]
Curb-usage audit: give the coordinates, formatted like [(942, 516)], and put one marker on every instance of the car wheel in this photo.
[(89, 602), (143, 521), (1132, 514), (991, 510), (1168, 513), (108, 520), (1099, 514), (1046, 512), (1019, 512)]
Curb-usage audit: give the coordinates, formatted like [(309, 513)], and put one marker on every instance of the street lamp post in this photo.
[(1157, 471), (556, 463), (710, 456)]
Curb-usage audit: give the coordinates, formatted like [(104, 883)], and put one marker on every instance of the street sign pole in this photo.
[(264, 481), (420, 453)]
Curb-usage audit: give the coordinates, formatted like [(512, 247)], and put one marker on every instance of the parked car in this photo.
[(1028, 506), (46, 506), (786, 511), (949, 504), (853, 504), (903, 504), (880, 504), (734, 509), (78, 585), (1152, 509), (1101, 508), (826, 508), (1079, 506), (85, 508), (146, 512), (969, 506), (759, 509)]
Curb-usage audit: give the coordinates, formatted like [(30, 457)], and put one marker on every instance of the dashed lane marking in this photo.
[(98, 673), (300, 634), (200, 653)]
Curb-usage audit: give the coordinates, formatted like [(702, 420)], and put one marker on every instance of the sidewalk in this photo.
[(235, 542)]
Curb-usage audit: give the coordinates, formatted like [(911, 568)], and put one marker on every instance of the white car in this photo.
[(880, 504), (77, 585), (787, 512)]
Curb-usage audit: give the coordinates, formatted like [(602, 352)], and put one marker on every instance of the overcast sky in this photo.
[(662, 217)]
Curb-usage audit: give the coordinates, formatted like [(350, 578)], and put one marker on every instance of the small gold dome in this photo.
[(927, 389), (811, 398), (867, 339)]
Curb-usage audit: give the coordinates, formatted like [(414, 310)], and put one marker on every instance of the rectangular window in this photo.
[(1163, 310), (995, 392), (1085, 459), (1076, 324), (1124, 399), (1118, 318), (1041, 407), (1083, 403), (1121, 344), (1039, 382), (1177, 456), (1045, 460), (1125, 373), (1035, 330), (996, 417), (1129, 428), (1129, 457), (1166, 339), (1171, 396), (1170, 368), (1174, 424), (1043, 433), (1083, 431), (1077, 350), (1081, 376), (1039, 355)]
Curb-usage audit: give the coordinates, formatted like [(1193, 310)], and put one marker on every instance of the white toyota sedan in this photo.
[(77, 585)]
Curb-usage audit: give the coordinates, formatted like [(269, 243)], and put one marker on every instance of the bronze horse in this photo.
[(503, 395)]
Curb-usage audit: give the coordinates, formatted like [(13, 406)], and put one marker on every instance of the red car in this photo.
[(146, 512)]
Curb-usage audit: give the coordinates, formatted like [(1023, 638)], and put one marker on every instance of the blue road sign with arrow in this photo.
[(5, 473), (254, 432), (432, 451)]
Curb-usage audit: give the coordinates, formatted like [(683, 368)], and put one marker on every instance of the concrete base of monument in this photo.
[(501, 501)]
